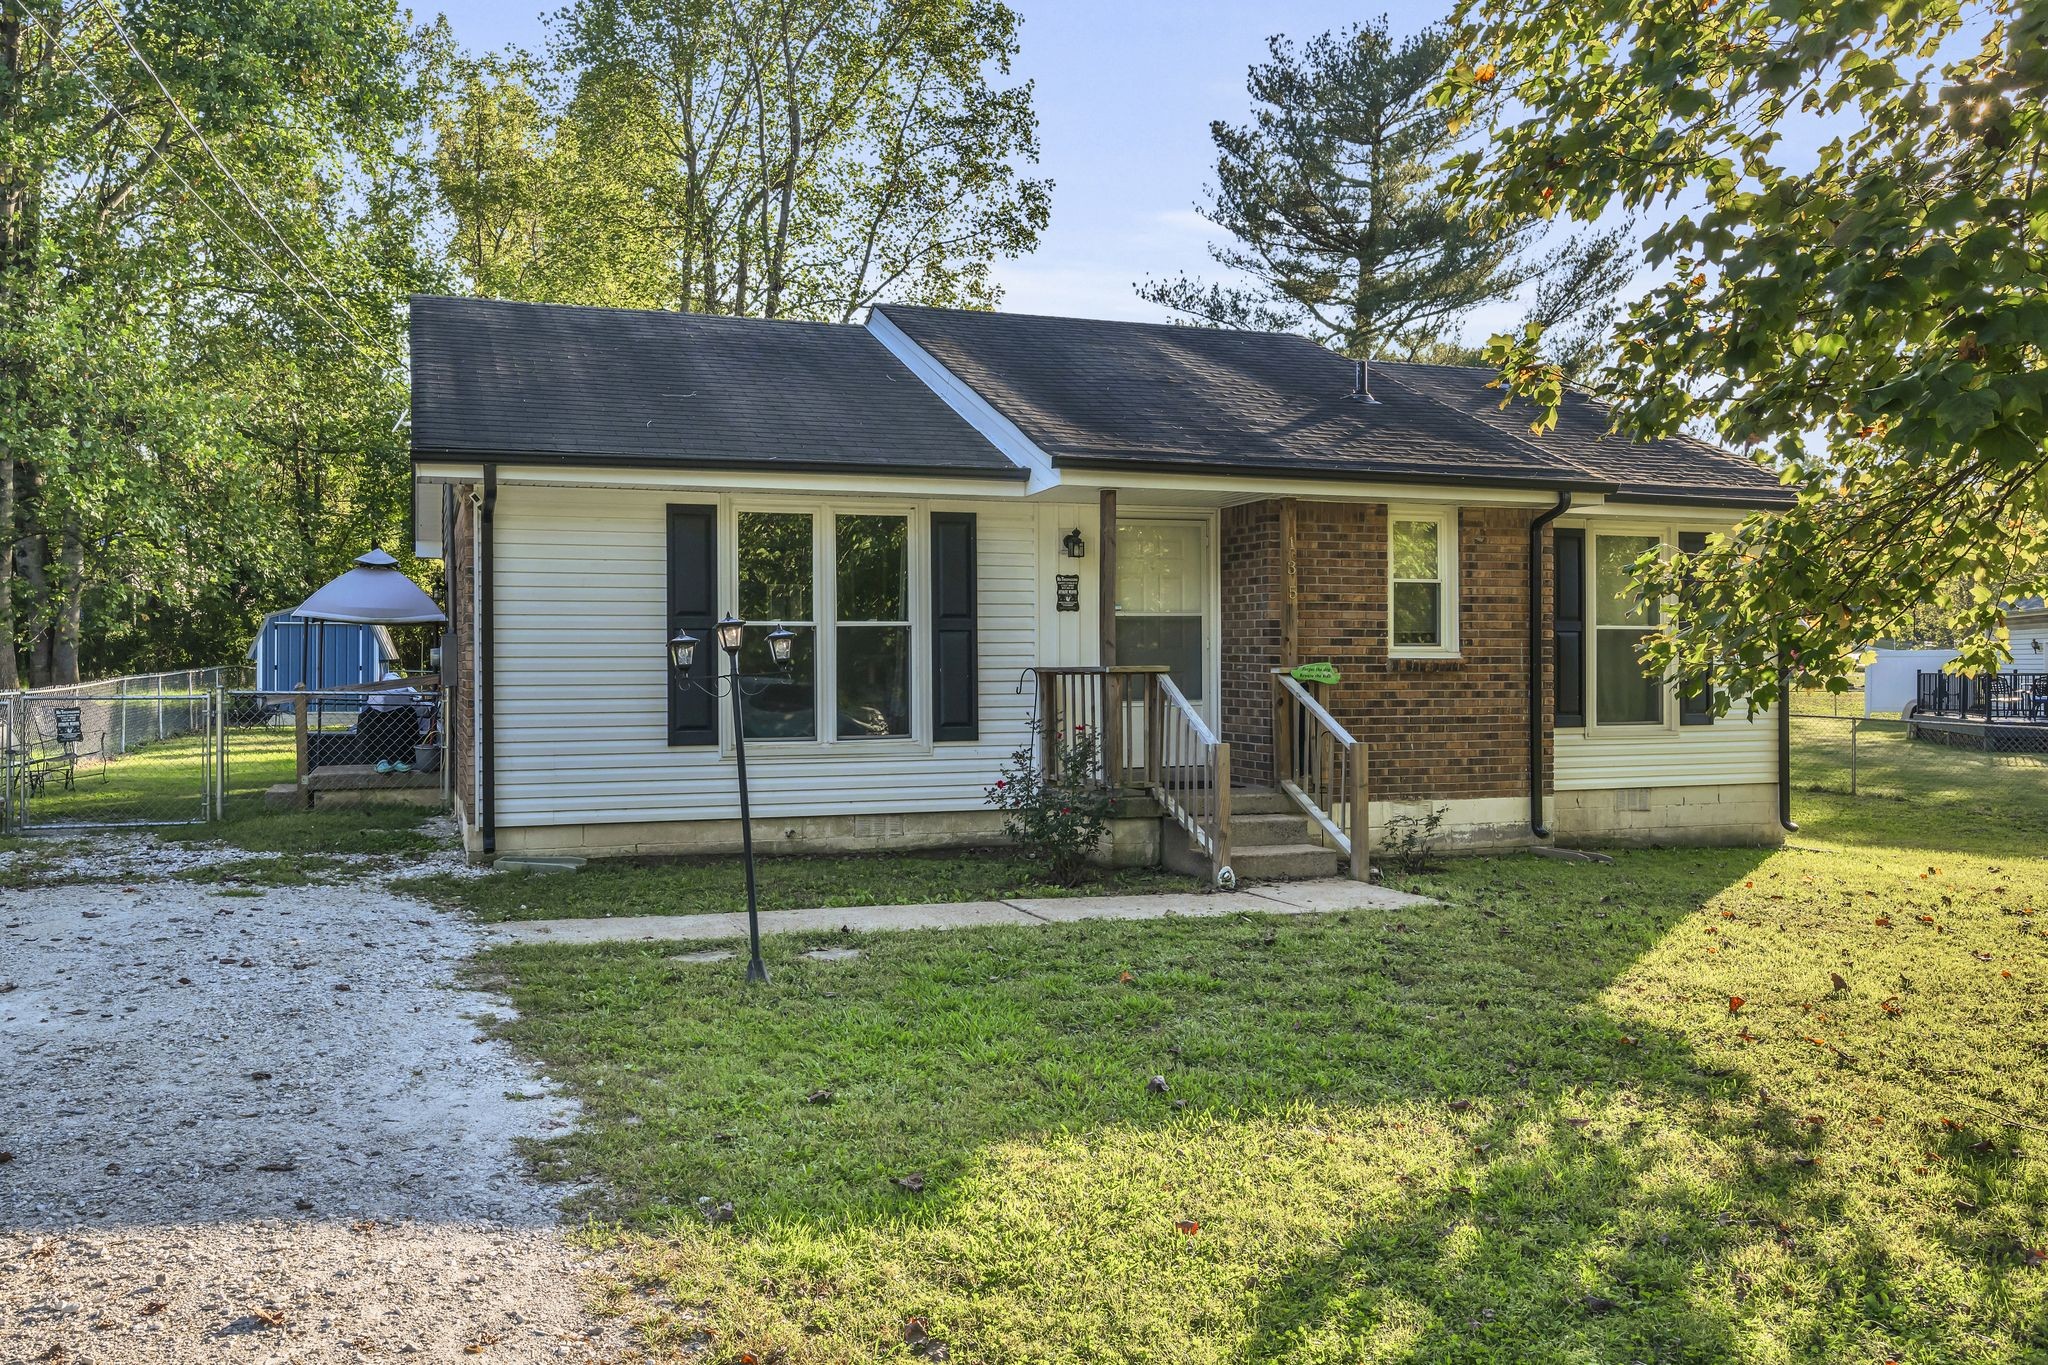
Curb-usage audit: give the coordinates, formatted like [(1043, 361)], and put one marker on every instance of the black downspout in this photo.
[(486, 652), (1785, 751), (1536, 527)]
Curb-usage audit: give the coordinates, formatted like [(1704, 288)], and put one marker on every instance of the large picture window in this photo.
[(852, 663), (1624, 694), (1423, 593)]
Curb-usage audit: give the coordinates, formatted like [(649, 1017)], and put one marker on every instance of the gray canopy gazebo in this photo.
[(373, 593)]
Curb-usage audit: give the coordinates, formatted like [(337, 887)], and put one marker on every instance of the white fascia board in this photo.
[(1255, 488), (724, 480), (971, 407)]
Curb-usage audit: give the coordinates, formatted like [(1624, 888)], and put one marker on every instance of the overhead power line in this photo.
[(113, 107), (128, 40)]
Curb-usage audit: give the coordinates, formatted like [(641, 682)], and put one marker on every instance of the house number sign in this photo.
[(1068, 591)]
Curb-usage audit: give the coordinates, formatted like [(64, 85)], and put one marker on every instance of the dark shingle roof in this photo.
[(523, 381), (1147, 395), (1676, 469)]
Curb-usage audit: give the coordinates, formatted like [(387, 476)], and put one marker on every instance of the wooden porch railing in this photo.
[(1152, 738), (1318, 763)]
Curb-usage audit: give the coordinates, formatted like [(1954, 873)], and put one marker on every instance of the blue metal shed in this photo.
[(347, 655)]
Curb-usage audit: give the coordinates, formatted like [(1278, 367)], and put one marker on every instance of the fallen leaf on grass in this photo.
[(1156, 1086), (1883, 921), (1735, 1004), (1460, 1106), (914, 1182), (1596, 1304), (818, 1097), (1125, 977), (1890, 1004), (1187, 1226)]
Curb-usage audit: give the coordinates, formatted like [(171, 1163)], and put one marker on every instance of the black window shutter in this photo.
[(693, 606), (955, 642), (1695, 702), (1568, 623)]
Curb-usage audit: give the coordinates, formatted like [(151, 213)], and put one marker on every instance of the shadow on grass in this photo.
[(1432, 1134)]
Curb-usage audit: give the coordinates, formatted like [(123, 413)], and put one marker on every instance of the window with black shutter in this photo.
[(693, 607), (1695, 700), (954, 627), (1568, 623)]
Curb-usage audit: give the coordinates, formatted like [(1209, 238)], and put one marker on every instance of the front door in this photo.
[(1162, 602)]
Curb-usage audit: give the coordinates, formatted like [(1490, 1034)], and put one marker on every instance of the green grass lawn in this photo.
[(701, 886), (1522, 1125)]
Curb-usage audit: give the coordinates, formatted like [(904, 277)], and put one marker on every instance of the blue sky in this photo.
[(1125, 93)]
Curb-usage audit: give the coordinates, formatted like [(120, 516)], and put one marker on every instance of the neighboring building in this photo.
[(940, 503), (288, 651), (2026, 623)]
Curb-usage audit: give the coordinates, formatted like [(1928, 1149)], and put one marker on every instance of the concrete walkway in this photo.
[(1279, 898)]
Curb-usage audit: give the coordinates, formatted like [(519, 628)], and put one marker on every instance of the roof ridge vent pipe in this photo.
[(1361, 381), (1536, 526)]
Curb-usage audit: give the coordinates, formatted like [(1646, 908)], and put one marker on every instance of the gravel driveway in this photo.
[(265, 1127)]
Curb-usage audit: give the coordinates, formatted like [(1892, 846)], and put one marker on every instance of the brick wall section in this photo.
[(1440, 730), (461, 578), (1249, 637)]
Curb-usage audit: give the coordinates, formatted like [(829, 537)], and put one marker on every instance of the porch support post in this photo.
[(1105, 587), (1290, 590)]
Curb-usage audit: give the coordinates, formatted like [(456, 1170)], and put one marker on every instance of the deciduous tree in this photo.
[(1869, 315)]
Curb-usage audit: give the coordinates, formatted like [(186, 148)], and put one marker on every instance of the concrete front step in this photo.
[(1284, 862), (1259, 831), (1261, 801)]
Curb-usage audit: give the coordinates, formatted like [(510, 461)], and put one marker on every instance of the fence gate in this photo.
[(111, 754)]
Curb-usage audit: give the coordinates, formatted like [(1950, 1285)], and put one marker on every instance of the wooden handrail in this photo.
[(1177, 757), (1322, 769)]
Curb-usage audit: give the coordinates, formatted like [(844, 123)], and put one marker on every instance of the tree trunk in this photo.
[(36, 581), (70, 604)]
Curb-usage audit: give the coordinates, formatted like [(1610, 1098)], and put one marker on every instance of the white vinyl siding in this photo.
[(581, 732)]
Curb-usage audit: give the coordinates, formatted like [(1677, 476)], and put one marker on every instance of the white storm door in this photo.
[(1162, 602)]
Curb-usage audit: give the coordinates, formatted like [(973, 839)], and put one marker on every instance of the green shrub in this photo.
[(1055, 818)]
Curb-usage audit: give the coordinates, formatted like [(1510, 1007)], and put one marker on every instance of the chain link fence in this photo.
[(332, 749), (198, 746), (137, 750), (1921, 758)]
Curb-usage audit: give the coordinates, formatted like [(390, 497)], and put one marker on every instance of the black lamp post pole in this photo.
[(756, 972)]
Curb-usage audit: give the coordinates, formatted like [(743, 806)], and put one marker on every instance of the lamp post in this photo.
[(682, 655)]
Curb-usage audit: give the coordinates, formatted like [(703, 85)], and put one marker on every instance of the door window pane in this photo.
[(1175, 641), (874, 681), (1162, 582), (874, 568), (1627, 696), (781, 703), (775, 566)]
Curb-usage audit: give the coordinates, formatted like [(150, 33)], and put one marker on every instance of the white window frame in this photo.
[(1666, 534), (1447, 602), (824, 513)]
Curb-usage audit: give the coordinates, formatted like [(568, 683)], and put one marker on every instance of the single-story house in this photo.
[(969, 519)]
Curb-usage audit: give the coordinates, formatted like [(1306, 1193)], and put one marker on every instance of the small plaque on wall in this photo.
[(1068, 591)]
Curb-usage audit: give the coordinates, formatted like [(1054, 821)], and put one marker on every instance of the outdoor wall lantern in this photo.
[(1073, 547), (682, 657)]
